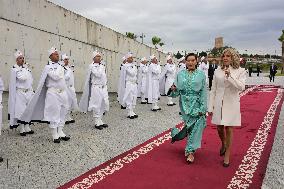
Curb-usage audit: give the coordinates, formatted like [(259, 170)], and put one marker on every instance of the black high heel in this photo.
[(226, 164)]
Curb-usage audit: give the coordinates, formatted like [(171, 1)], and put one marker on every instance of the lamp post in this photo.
[(142, 36)]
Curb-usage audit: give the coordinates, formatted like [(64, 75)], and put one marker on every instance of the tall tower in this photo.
[(218, 42)]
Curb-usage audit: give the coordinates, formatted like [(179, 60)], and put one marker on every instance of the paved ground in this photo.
[(36, 162)]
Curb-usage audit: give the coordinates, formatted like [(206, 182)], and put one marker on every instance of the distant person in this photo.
[(258, 70), (142, 79), (204, 66), (212, 67), (250, 70), (273, 71), (153, 76), (181, 64)]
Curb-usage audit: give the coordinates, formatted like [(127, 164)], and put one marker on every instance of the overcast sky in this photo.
[(252, 25)]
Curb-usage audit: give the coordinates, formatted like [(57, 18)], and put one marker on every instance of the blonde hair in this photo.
[(235, 58)]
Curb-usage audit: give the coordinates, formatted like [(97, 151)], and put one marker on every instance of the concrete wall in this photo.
[(33, 26)]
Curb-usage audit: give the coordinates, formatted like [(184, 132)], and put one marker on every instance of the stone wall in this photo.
[(33, 26)]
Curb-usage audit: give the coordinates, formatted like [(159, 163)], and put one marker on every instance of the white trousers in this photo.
[(68, 116), (56, 106), (155, 90), (99, 102), (22, 100), (61, 122), (168, 84), (130, 95)]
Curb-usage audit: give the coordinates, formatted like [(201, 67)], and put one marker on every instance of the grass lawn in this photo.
[(279, 74)]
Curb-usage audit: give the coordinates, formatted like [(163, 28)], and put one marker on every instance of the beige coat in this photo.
[(224, 101)]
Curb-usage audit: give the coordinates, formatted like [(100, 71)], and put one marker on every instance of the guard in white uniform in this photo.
[(204, 66), (50, 102), (181, 64), (142, 78), (153, 77), (95, 94), (129, 83), (20, 94), (72, 99), (120, 90), (168, 77)]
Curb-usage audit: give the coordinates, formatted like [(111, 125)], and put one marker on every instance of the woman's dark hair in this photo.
[(191, 54)]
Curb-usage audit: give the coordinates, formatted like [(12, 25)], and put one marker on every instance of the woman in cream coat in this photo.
[(224, 102)]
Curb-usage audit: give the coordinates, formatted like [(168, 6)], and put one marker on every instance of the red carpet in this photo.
[(157, 164)]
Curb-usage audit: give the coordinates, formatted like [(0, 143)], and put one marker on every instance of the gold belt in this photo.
[(24, 90), (55, 90)]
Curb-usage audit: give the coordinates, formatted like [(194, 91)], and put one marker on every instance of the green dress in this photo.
[(192, 89)]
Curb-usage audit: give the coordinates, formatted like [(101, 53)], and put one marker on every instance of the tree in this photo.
[(203, 54), (131, 35), (216, 52), (178, 55), (156, 40), (281, 38)]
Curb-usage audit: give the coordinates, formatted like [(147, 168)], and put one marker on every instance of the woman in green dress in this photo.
[(190, 86)]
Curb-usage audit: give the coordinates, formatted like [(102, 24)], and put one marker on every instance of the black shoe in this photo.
[(13, 126), (1, 159), (67, 122), (130, 117), (222, 151), (23, 134), (105, 125), (159, 109), (179, 113), (143, 102), (30, 132), (135, 116), (226, 164), (122, 107), (56, 140), (72, 121), (170, 104), (154, 110), (100, 127), (66, 138)]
